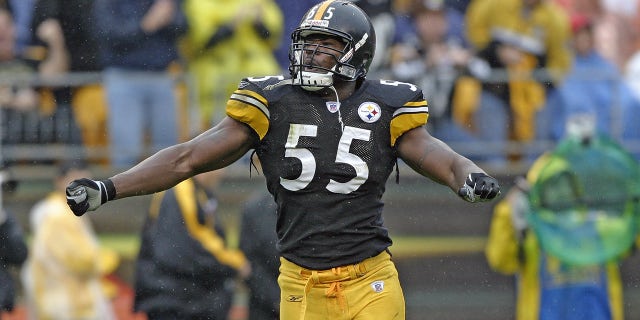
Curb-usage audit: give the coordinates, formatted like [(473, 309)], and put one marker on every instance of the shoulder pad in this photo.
[(396, 93), (263, 83)]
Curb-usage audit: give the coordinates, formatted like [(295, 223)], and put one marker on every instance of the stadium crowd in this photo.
[(118, 80), (488, 80)]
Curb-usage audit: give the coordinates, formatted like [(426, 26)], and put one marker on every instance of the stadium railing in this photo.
[(42, 150)]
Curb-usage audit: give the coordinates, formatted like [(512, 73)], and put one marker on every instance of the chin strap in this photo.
[(339, 114), (312, 81)]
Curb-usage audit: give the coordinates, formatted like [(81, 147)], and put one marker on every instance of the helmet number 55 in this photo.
[(309, 163), (328, 14)]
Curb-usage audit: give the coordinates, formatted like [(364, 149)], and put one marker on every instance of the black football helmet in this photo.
[(342, 20)]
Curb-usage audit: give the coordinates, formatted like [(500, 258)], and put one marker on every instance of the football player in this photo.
[(327, 139)]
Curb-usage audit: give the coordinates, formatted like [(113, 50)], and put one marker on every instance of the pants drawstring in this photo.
[(335, 289), (335, 277)]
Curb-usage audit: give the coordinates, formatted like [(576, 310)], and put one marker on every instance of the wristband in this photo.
[(110, 188)]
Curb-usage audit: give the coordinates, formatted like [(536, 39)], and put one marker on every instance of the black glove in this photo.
[(87, 195), (479, 187)]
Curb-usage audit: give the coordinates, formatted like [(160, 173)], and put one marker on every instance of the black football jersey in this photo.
[(326, 162)]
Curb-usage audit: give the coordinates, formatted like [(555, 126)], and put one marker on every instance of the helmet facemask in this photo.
[(314, 77)]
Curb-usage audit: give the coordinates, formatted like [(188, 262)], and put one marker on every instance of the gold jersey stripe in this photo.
[(321, 10), (250, 115), (405, 122), (416, 103)]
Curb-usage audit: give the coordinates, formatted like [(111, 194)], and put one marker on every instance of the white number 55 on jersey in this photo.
[(309, 162)]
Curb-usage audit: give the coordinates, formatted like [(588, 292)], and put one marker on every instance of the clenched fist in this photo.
[(479, 187), (87, 195)]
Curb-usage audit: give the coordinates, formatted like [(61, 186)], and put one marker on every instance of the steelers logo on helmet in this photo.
[(369, 112)]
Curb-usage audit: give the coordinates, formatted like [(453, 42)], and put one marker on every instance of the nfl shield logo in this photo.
[(377, 286), (333, 106)]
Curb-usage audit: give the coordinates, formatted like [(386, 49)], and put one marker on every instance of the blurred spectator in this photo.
[(616, 26), (382, 17), (75, 20), (22, 13), (138, 47), (62, 278), (593, 87), (258, 242), (429, 56), (24, 119), (525, 42), (460, 5), (564, 230), (631, 134), (291, 13), (87, 98), (14, 95), (64, 127), (13, 250), (405, 24), (185, 270), (228, 40)]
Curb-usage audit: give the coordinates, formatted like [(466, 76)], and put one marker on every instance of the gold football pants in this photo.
[(369, 290)]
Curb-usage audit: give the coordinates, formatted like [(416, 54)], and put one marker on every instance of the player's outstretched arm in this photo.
[(216, 148), (433, 158)]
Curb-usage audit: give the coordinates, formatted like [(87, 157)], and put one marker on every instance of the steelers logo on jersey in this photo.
[(369, 112)]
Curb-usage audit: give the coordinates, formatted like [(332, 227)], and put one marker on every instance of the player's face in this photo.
[(321, 51)]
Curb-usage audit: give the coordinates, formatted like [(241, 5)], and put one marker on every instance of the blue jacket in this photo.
[(123, 44), (594, 86)]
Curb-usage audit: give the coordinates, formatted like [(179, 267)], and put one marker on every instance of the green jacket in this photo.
[(512, 252)]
